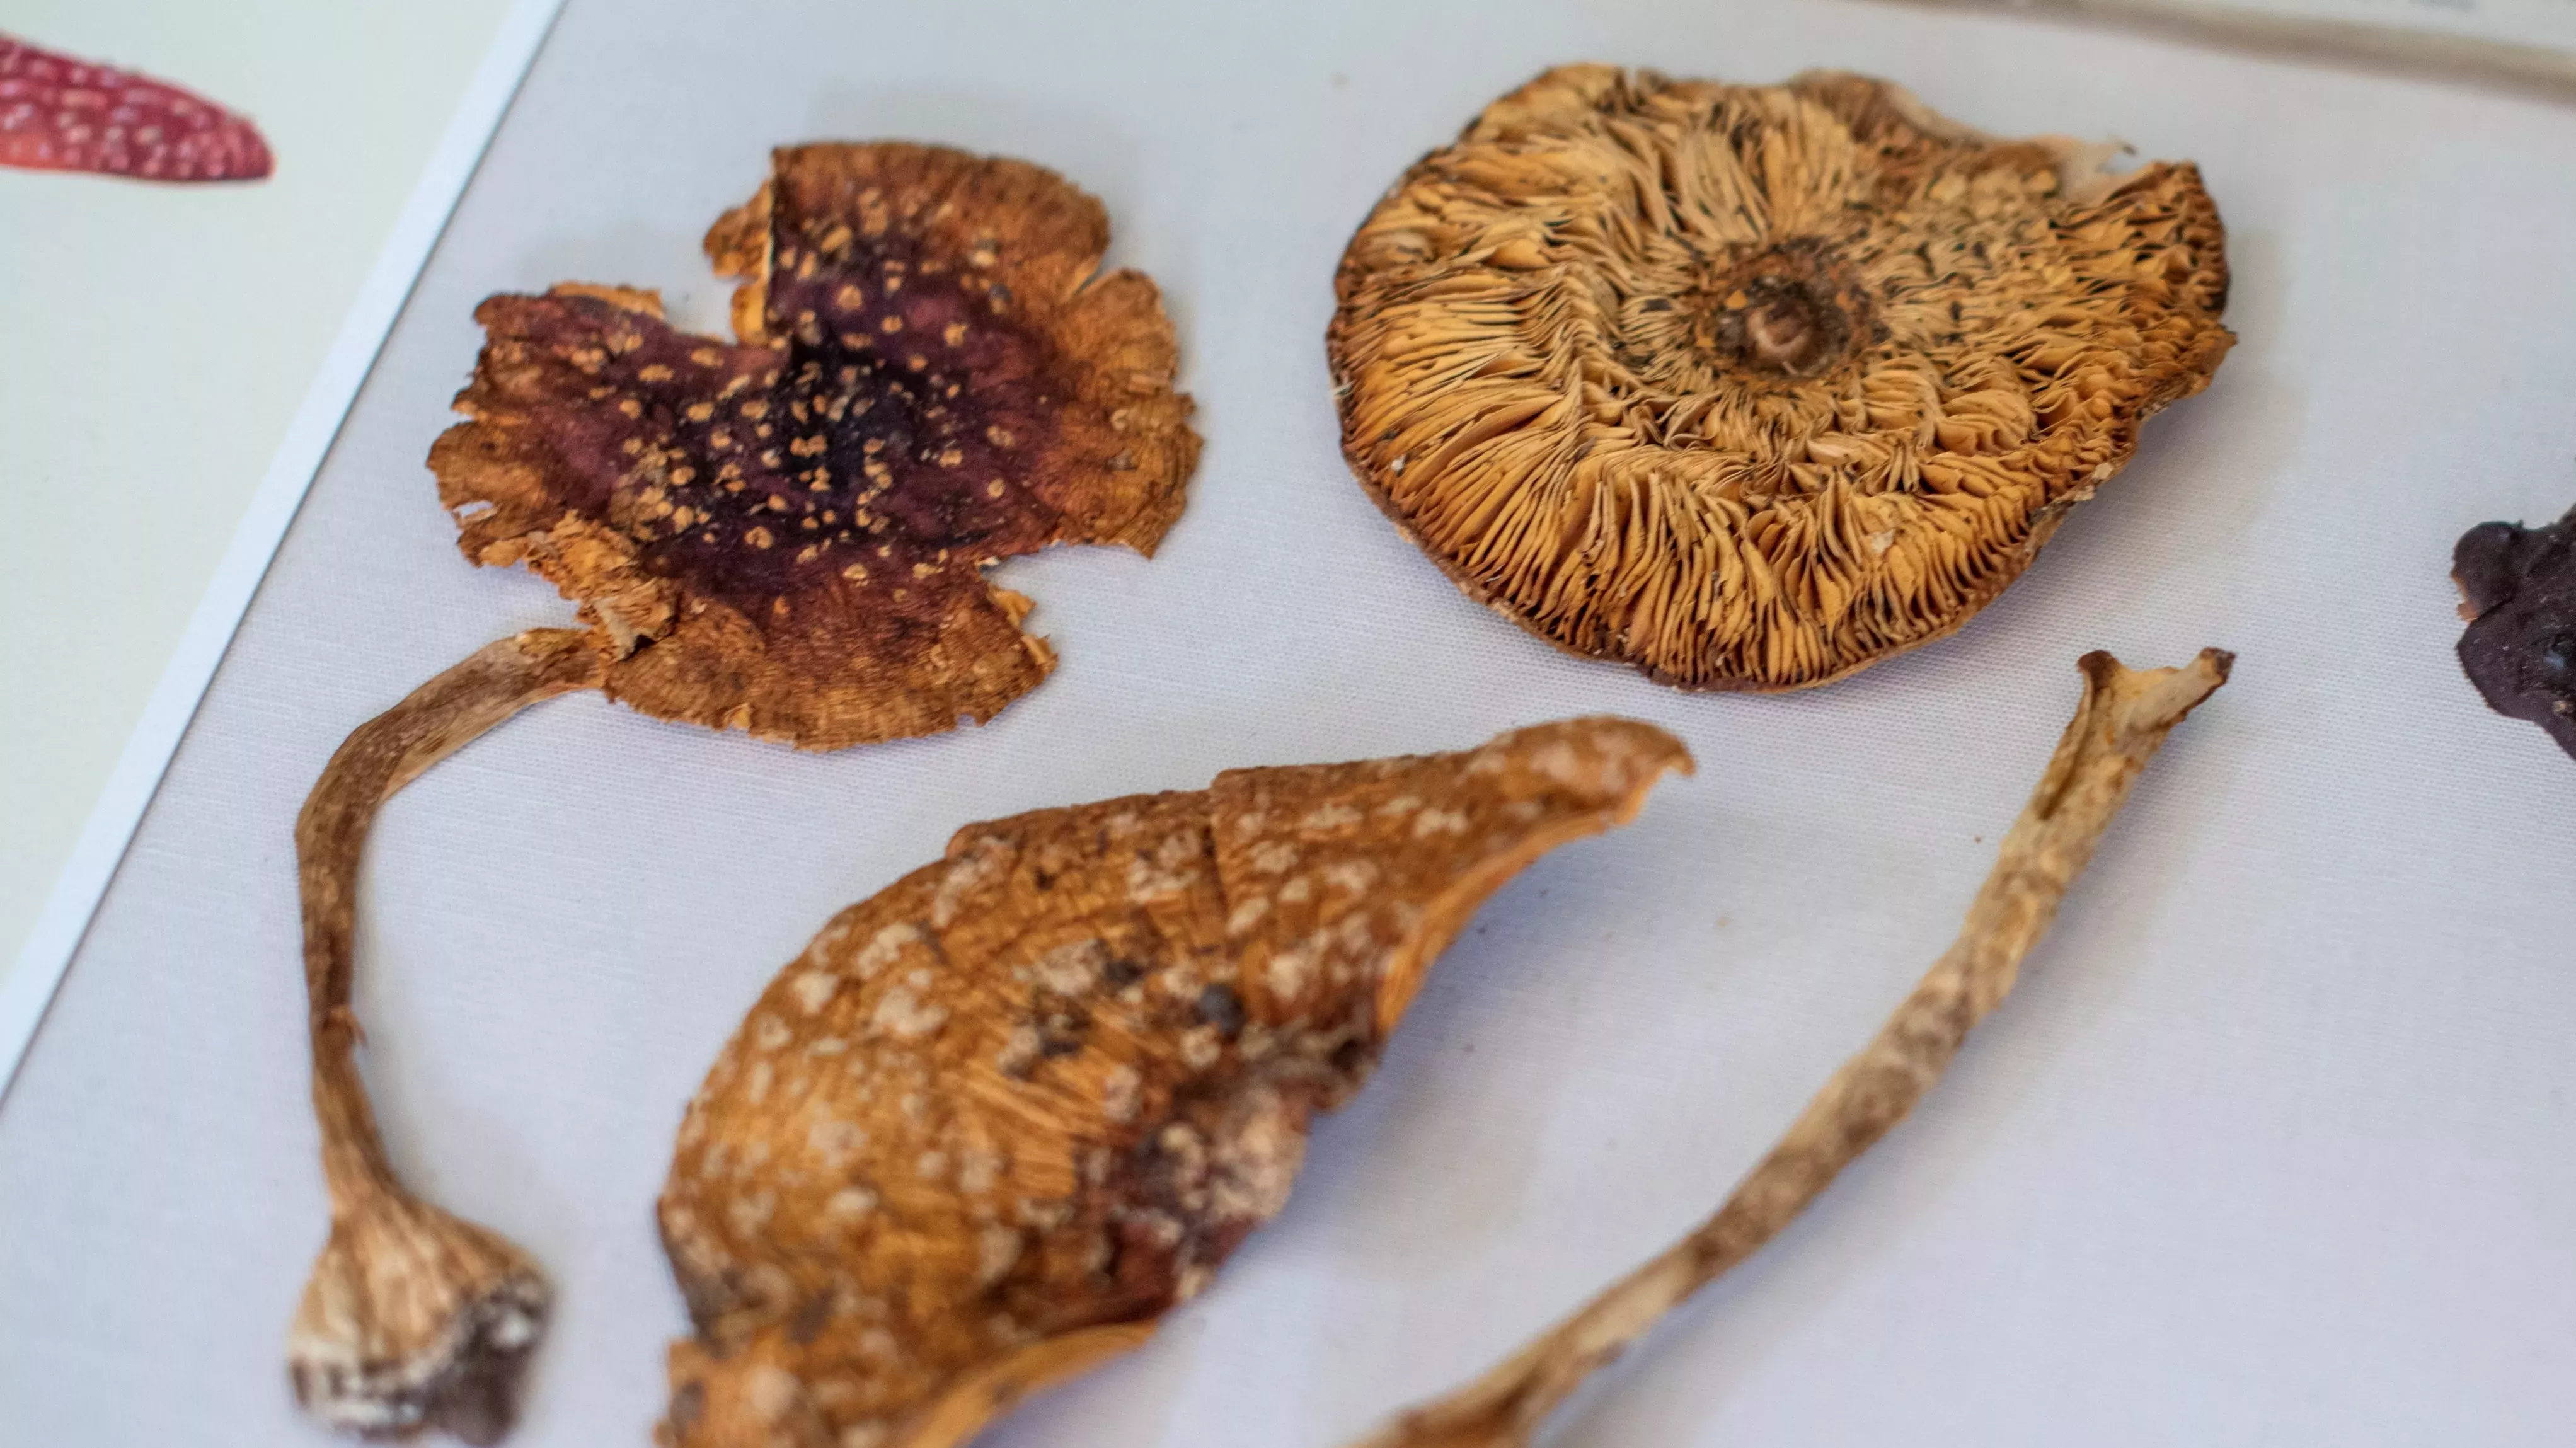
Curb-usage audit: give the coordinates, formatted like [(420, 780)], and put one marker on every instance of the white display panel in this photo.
[(2271, 1147)]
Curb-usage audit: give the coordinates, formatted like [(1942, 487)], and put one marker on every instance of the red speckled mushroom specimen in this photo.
[(784, 534), (1000, 1117), (62, 114), (1750, 387)]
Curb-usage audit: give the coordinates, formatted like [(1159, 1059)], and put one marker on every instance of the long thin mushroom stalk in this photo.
[(785, 533), (412, 1318), (2118, 726)]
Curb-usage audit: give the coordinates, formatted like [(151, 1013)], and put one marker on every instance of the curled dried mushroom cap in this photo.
[(1000, 1117), (1751, 387), (787, 534)]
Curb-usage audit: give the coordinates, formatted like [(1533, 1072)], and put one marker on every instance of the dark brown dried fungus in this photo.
[(2520, 648)]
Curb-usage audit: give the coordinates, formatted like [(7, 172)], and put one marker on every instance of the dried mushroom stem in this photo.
[(2120, 723), (412, 1318)]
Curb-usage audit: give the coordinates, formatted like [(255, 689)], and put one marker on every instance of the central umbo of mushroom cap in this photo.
[(1751, 387), (786, 534)]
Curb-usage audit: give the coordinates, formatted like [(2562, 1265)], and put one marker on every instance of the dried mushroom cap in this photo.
[(1001, 1116), (787, 534), (1750, 387)]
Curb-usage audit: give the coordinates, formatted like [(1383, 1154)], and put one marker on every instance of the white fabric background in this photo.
[(2272, 1147)]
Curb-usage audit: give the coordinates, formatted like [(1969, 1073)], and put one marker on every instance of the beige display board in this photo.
[(2524, 43), (2544, 23), (2271, 1147)]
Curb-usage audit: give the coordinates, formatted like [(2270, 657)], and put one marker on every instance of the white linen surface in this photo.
[(2272, 1147)]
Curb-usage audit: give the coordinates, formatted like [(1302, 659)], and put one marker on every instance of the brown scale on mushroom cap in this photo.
[(787, 534), (1001, 1116), (1751, 387)]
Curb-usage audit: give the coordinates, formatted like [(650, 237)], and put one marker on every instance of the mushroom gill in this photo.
[(1751, 387), (784, 534), (1000, 1117), (61, 113)]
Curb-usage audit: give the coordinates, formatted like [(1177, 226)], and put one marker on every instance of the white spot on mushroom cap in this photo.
[(905, 1016), (1557, 761), (1020, 1050), (814, 988), (1288, 970), (749, 1213), (1169, 871), (1201, 1047), (1329, 818), (1356, 934), (884, 948), (1072, 968), (1256, 1159), (984, 863), (997, 1250), (1247, 914), (978, 1170), (1438, 822), (1351, 877), (836, 1141), (772, 1392), (1121, 1093)]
